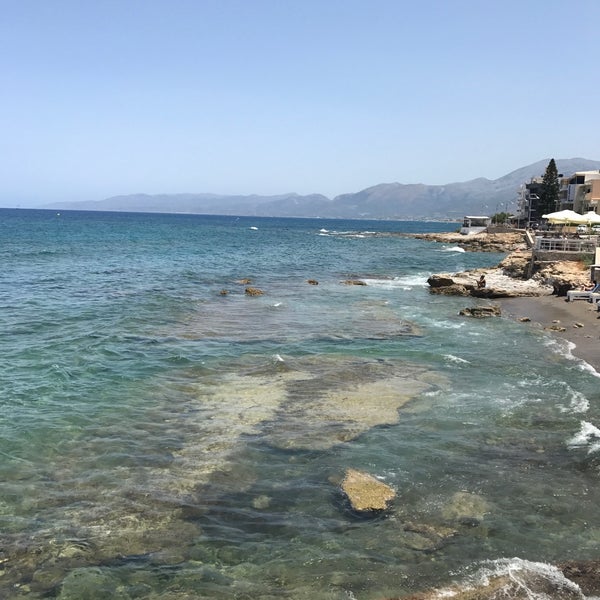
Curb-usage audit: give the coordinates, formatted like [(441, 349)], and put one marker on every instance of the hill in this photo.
[(382, 201)]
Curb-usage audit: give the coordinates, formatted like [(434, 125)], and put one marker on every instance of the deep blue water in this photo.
[(165, 435)]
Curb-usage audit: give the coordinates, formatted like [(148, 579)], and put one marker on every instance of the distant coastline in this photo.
[(395, 201)]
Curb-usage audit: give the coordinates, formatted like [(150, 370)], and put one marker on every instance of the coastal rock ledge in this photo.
[(498, 285)]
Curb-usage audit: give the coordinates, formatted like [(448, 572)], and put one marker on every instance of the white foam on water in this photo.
[(524, 579), (587, 436), (565, 348), (578, 403), (582, 365), (453, 249), (575, 401), (456, 359), (404, 283), (417, 280)]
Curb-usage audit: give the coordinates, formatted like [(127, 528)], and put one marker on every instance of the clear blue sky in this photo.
[(106, 97)]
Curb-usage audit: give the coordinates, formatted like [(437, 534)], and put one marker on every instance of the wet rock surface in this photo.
[(517, 580), (366, 493), (481, 312)]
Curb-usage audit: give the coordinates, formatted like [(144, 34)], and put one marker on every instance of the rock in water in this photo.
[(251, 291), (365, 492), (480, 312)]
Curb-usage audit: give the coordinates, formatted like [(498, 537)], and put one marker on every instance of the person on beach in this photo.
[(481, 282)]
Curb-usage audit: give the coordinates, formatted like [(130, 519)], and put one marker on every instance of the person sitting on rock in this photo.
[(481, 282)]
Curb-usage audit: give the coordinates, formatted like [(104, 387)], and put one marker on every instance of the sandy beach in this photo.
[(580, 319)]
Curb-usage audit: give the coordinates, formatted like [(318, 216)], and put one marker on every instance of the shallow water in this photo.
[(161, 439)]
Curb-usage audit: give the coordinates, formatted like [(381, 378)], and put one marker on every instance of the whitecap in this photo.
[(524, 575), (565, 348), (456, 359), (587, 436), (406, 282), (578, 403), (453, 249)]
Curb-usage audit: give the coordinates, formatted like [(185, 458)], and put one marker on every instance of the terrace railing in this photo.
[(548, 244)]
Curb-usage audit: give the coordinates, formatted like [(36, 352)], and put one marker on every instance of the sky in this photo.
[(102, 98)]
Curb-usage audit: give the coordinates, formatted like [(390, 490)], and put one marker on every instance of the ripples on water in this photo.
[(162, 440)]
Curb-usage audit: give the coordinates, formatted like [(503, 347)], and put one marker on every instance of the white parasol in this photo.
[(592, 218), (564, 217)]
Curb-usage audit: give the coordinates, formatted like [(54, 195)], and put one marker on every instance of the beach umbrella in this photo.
[(564, 217), (592, 218)]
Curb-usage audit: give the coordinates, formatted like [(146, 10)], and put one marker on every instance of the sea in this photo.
[(164, 434)]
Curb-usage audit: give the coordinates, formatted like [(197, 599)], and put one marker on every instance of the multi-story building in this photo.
[(591, 195), (527, 203), (579, 190)]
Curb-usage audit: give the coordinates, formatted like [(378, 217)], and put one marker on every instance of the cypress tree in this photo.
[(549, 190)]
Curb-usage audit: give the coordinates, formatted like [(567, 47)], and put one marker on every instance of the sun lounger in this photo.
[(582, 294)]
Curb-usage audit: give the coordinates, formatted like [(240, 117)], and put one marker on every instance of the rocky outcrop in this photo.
[(252, 291), (365, 493), (586, 574), (516, 275), (481, 312), (516, 264), (563, 275), (479, 242), (498, 285)]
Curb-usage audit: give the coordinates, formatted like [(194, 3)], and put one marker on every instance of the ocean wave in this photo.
[(456, 359), (405, 283), (513, 578), (587, 436), (565, 349), (453, 249)]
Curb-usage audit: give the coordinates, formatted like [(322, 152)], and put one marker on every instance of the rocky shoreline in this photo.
[(537, 301), (515, 276)]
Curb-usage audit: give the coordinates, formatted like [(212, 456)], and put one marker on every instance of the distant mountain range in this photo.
[(383, 201)]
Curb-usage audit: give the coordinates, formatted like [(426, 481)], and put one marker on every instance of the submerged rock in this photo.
[(91, 582), (365, 493), (334, 399), (354, 282), (466, 507)]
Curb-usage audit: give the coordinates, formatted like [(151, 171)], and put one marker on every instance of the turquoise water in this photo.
[(160, 438)]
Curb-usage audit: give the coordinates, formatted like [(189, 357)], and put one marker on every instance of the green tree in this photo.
[(501, 217), (549, 191)]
